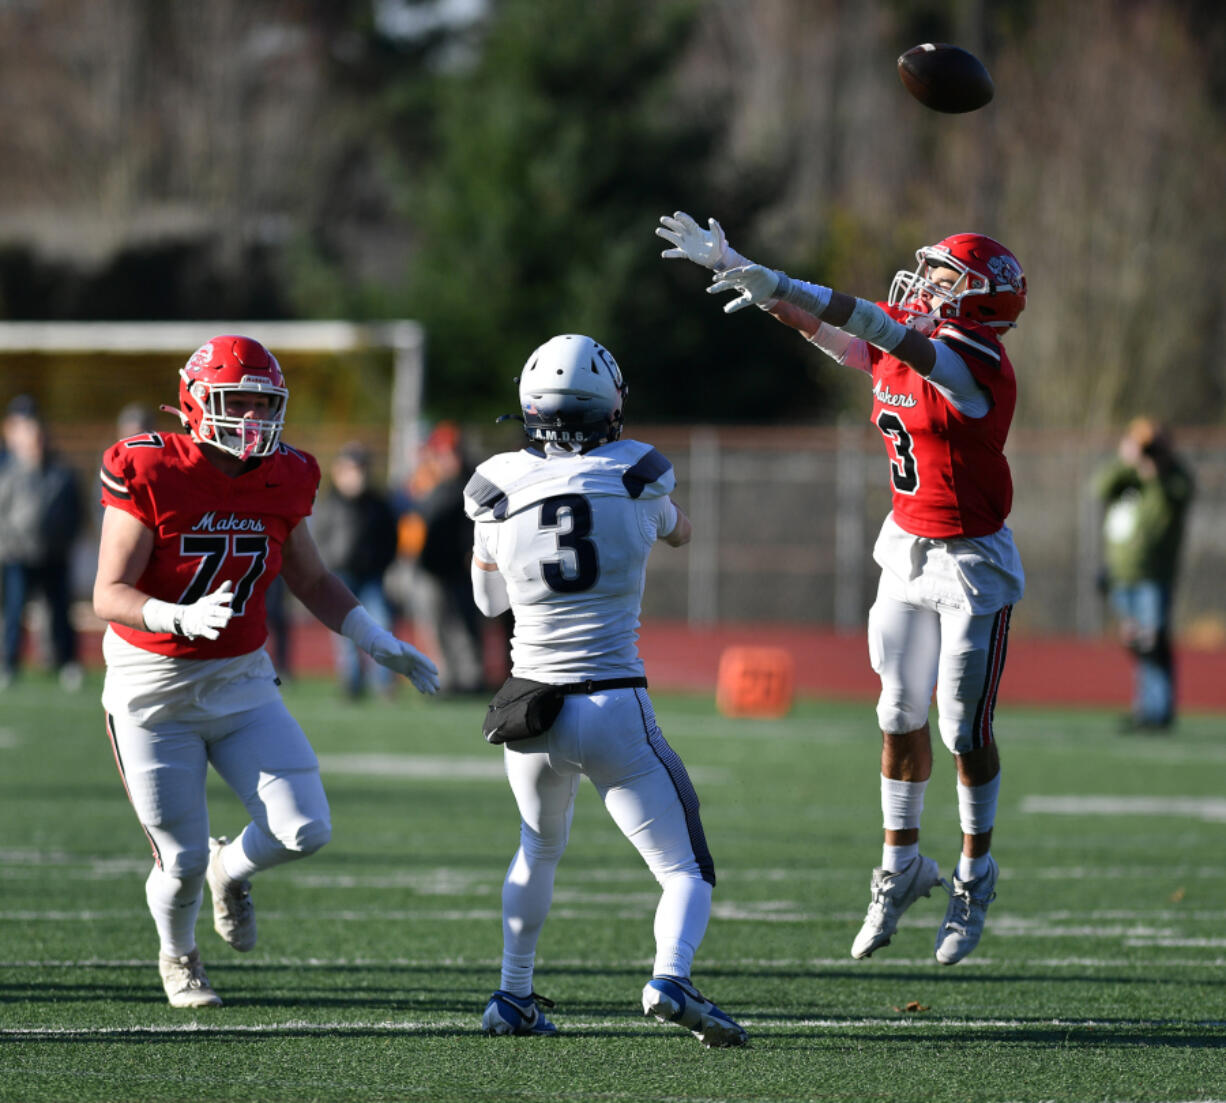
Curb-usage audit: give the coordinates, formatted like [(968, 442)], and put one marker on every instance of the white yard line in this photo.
[(1208, 809), (779, 964), (444, 880), (921, 1021)]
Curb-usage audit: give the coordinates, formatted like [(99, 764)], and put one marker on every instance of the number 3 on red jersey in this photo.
[(904, 473)]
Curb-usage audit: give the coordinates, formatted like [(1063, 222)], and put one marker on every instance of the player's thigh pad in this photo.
[(972, 660), (904, 644), (266, 758), (642, 781), (544, 785), (163, 769)]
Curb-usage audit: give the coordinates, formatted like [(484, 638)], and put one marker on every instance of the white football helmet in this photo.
[(571, 392)]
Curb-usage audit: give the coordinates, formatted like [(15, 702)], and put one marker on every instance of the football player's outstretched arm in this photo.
[(123, 555), (331, 602), (758, 285), (770, 289)]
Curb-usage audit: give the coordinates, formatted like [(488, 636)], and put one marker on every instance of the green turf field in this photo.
[(1102, 975)]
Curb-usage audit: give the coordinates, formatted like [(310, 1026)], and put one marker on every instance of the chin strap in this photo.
[(176, 411)]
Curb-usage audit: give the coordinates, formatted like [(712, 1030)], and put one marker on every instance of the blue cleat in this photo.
[(676, 1000), (507, 1014)]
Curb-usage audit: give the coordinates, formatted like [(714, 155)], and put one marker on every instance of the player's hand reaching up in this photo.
[(691, 242), (757, 286)]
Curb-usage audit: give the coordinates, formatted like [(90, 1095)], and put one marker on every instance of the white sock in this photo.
[(527, 893), (971, 869), (977, 806), (174, 903), (902, 804), (894, 859), (681, 921), (517, 974)]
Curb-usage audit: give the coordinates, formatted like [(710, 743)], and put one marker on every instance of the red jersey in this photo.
[(948, 472), (208, 527)]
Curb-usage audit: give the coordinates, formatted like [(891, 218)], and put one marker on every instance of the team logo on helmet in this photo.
[(1005, 270), (201, 358)]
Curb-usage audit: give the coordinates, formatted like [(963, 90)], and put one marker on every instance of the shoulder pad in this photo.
[(648, 469), (483, 498), (968, 339)]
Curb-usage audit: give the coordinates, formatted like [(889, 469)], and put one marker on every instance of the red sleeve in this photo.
[(120, 479)]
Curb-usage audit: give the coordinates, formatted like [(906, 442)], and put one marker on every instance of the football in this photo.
[(946, 78)]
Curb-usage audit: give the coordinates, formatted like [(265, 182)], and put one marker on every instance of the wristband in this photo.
[(872, 323), (163, 616), (360, 627), (812, 298)]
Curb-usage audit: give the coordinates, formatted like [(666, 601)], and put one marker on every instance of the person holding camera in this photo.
[(1146, 493)]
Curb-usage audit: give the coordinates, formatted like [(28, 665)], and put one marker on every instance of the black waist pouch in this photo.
[(521, 709)]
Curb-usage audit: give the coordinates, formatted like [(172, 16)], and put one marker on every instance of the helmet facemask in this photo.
[(242, 435), (917, 293)]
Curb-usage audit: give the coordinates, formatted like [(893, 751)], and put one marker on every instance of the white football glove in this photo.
[(757, 285), (706, 247), (206, 617), (389, 651)]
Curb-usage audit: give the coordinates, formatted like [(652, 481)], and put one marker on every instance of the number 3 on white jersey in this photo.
[(569, 516)]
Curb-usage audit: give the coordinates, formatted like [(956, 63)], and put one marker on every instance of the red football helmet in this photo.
[(991, 290), (229, 365)]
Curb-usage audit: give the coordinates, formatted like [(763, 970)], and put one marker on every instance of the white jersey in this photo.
[(570, 534)]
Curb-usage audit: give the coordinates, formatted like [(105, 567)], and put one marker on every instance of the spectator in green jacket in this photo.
[(1146, 492)]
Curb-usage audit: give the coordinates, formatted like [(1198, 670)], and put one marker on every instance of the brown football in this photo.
[(946, 78)]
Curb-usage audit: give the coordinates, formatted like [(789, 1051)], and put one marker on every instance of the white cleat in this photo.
[(962, 927), (893, 894), (185, 981), (233, 911), (676, 1000)]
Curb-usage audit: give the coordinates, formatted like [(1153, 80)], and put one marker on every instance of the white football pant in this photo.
[(262, 754), (915, 648), (613, 739)]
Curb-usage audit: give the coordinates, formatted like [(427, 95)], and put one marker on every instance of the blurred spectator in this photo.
[(40, 517), (135, 418), (435, 546), (1146, 492), (355, 528)]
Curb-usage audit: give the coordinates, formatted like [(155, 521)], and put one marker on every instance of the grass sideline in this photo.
[(1102, 974)]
